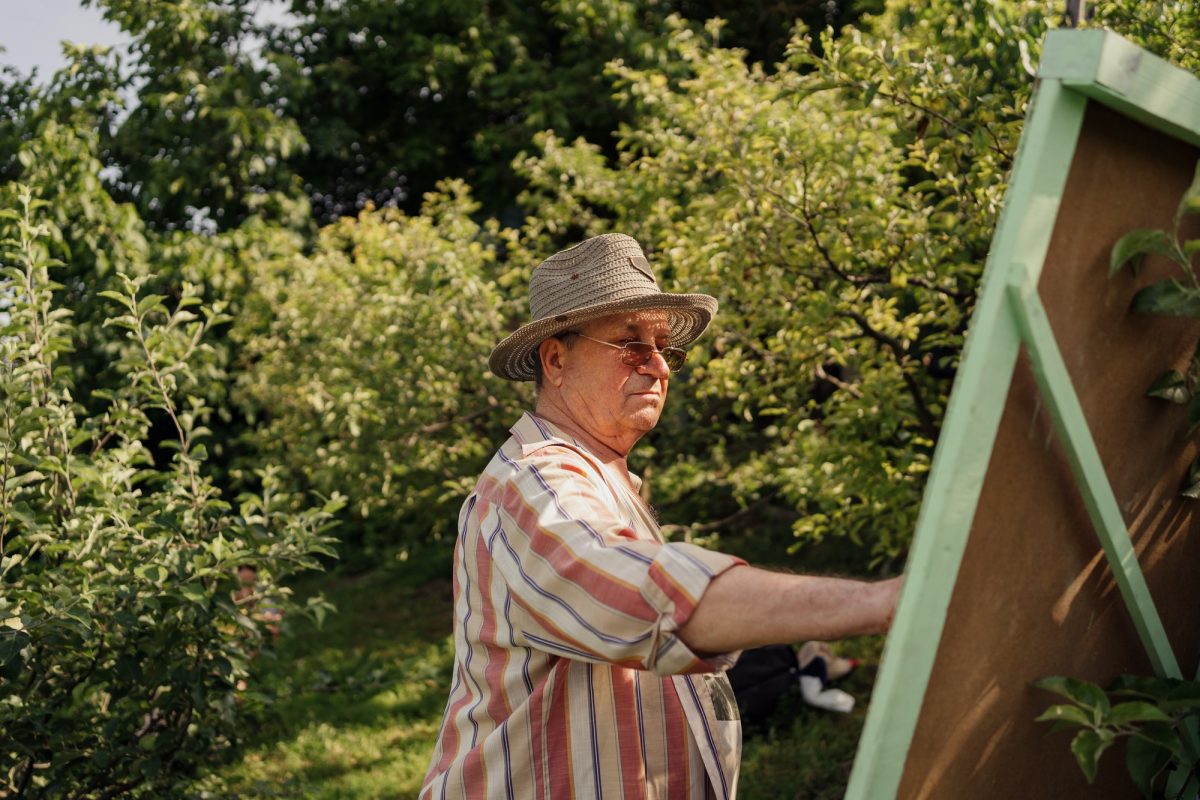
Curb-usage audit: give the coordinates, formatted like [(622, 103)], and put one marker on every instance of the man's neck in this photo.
[(605, 452)]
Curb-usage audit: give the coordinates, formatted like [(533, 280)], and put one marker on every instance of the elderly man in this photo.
[(589, 653)]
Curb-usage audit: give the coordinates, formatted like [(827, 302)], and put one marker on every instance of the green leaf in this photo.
[(1088, 695), (1088, 745), (11, 644), (1066, 713), (151, 572), (871, 91), (1161, 735), (1134, 246), (150, 302), (1170, 298), (111, 295), (1145, 760), (1136, 711), (1191, 488), (1186, 695), (194, 593), (1170, 386)]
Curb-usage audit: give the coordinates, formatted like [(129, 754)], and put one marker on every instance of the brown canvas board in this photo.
[(1035, 596)]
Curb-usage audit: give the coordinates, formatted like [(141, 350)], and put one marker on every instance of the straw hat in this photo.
[(603, 275)]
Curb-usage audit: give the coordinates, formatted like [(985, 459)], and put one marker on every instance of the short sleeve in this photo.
[(581, 584)]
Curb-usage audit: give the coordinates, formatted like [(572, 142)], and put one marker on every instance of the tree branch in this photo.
[(689, 531), (820, 372), (440, 425), (901, 355)]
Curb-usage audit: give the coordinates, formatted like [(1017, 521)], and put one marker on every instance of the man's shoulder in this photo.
[(535, 443), (515, 459)]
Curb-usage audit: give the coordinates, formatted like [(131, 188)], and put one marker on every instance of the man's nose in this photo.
[(656, 366)]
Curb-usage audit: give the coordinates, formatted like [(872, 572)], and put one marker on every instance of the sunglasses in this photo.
[(638, 354)]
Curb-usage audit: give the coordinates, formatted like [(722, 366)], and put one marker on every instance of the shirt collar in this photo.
[(533, 433)]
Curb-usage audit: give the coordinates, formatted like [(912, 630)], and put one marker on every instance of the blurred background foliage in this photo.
[(323, 226)]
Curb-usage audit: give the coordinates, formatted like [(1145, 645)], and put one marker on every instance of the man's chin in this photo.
[(646, 417)]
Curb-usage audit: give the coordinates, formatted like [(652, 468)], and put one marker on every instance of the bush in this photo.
[(366, 368), (121, 645)]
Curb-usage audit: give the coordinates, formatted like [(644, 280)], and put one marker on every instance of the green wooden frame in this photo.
[(1077, 67)]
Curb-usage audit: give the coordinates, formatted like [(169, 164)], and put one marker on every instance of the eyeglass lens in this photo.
[(637, 354)]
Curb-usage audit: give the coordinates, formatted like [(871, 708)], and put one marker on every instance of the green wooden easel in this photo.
[(1078, 67)]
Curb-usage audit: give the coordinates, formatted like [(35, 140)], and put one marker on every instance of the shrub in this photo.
[(366, 371), (121, 645)]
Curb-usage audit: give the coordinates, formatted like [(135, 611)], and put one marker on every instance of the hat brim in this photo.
[(515, 358)]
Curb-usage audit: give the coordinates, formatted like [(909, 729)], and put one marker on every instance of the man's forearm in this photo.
[(748, 607)]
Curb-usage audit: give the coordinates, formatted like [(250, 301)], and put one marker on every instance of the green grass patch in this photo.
[(352, 710)]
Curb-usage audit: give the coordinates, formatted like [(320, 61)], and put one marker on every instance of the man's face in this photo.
[(607, 396)]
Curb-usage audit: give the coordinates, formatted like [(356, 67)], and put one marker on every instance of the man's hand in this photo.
[(747, 607)]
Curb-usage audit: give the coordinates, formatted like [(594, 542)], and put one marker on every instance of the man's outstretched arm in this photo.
[(747, 607)]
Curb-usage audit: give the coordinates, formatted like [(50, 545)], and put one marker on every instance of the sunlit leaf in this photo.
[(1065, 713), (1134, 246), (1088, 695), (151, 302)]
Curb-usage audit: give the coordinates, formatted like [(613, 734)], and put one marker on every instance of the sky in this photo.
[(31, 32)]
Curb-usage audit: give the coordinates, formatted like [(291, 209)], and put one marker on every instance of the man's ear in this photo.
[(550, 351)]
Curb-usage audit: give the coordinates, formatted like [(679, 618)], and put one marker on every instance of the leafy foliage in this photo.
[(1151, 714), (1173, 298), (477, 81), (208, 143), (840, 208), (366, 370), (120, 643), (836, 189)]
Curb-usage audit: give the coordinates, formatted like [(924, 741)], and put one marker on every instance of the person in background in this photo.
[(589, 652), (247, 596)]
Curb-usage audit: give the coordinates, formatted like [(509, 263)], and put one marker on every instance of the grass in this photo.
[(357, 704), (352, 710)]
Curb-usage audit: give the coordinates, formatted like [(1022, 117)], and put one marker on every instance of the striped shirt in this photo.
[(569, 679)]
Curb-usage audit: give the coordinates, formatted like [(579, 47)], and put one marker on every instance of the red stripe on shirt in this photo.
[(629, 749)]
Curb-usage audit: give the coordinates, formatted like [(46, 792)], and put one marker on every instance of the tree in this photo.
[(395, 97), (365, 369), (121, 644), (209, 141), (840, 208)]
